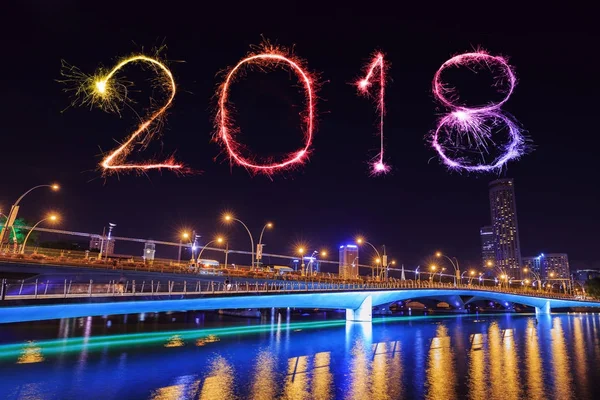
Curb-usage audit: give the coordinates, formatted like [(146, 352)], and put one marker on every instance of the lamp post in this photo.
[(301, 252), (536, 276), (14, 210), (357, 268), (361, 241), (260, 245), (417, 274), (442, 270), (218, 240), (432, 268), (13, 231), (184, 236), (52, 217), (228, 218), (456, 266)]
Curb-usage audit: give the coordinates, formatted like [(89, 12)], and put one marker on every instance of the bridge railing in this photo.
[(68, 289)]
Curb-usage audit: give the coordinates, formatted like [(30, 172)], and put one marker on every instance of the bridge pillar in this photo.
[(364, 313), (545, 309)]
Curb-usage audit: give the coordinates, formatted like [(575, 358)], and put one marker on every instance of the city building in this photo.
[(532, 264), (555, 266), (149, 250), (582, 275), (348, 261), (488, 252), (503, 210), (100, 243)]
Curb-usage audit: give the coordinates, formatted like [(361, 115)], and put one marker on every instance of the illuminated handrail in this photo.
[(68, 289)]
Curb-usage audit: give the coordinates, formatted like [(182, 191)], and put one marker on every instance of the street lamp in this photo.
[(229, 218), (52, 217), (260, 245), (301, 252), (536, 276), (360, 241), (432, 268), (456, 266), (184, 236), (13, 230), (12, 215), (219, 240)]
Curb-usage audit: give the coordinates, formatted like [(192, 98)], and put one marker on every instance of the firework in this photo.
[(363, 85), (268, 57), (105, 91), (469, 128)]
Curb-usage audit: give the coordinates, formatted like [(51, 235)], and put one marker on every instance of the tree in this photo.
[(592, 287), (20, 231)]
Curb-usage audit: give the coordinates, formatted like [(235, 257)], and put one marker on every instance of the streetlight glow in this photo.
[(360, 240), (438, 253), (323, 253), (55, 186)]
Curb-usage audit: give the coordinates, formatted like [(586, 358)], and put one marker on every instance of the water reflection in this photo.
[(264, 385), (441, 375), (580, 358), (506, 357), (533, 362), (560, 362), (478, 369), (219, 384), (32, 353), (185, 387)]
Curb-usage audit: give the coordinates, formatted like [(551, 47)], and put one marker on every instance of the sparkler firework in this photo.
[(378, 166), (269, 57), (470, 129), (105, 91)]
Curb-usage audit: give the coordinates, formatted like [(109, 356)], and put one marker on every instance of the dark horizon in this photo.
[(418, 208)]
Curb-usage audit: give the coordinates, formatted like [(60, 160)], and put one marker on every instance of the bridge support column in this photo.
[(364, 313), (544, 310)]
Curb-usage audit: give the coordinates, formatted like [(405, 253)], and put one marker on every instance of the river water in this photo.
[(207, 356)]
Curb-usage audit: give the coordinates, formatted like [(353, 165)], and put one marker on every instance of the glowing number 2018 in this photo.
[(379, 167), (225, 126)]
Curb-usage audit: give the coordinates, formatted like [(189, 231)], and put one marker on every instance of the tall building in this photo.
[(533, 264), (348, 261), (100, 243), (503, 209), (488, 252), (555, 266)]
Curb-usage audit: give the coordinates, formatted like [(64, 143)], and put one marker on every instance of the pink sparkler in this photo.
[(469, 129), (226, 130), (378, 166)]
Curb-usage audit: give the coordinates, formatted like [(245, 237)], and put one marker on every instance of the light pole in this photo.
[(14, 210), (218, 240), (357, 268), (417, 274), (260, 245), (301, 252), (432, 268), (184, 236), (360, 241), (442, 270), (228, 218), (456, 266), (52, 217), (13, 231), (536, 276)]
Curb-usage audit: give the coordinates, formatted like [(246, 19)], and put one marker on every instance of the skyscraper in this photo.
[(488, 253), (348, 261), (555, 266), (503, 209)]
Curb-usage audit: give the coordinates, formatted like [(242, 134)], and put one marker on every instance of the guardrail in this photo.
[(68, 289)]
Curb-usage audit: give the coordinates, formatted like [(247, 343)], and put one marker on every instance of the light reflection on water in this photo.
[(480, 358)]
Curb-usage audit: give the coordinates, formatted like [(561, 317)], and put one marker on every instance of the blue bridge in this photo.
[(22, 304)]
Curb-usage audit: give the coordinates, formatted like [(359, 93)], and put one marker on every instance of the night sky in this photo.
[(418, 208)]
